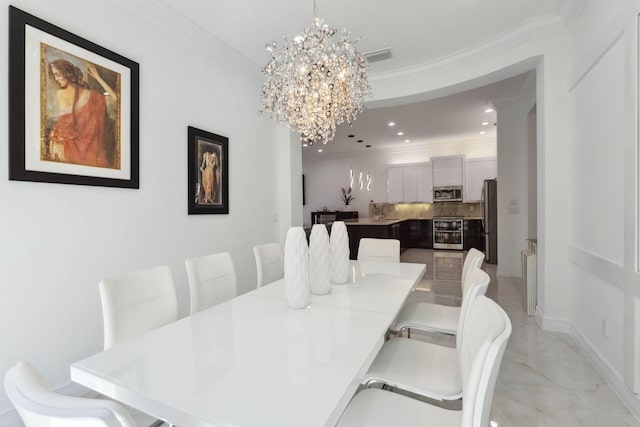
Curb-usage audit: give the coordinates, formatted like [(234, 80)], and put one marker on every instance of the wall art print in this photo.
[(208, 168), (73, 108)]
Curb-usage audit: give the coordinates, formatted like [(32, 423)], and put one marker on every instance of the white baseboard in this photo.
[(611, 377), (11, 418), (629, 398), (552, 324)]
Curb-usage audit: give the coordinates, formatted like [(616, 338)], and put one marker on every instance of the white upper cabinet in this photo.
[(395, 185), (418, 184), (476, 171), (447, 171), (410, 184)]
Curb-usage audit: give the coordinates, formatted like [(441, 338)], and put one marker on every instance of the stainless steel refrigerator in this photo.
[(490, 220)]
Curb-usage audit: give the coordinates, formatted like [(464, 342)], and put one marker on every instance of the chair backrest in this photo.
[(40, 407), (269, 262), (485, 339), (385, 250), (476, 284), (212, 280), (474, 259), (136, 303)]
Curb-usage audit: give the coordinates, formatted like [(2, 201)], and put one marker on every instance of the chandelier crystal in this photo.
[(313, 84)]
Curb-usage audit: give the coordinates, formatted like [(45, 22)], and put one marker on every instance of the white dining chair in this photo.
[(430, 317), (384, 250), (269, 262), (212, 280), (481, 355), (426, 368), (40, 407), (136, 303)]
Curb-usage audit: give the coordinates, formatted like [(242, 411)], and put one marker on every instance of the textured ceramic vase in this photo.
[(339, 242), (296, 268), (319, 260)]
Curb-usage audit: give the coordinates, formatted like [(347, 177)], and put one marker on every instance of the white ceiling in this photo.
[(417, 31)]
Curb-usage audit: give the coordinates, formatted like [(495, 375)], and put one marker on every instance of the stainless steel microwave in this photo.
[(447, 194)]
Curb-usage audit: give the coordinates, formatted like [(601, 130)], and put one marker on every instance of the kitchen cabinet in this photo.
[(382, 231), (410, 184), (395, 185), (472, 236), (418, 186), (419, 233), (447, 171), (476, 171)]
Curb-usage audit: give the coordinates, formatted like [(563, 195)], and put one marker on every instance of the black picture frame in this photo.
[(94, 139), (208, 169)]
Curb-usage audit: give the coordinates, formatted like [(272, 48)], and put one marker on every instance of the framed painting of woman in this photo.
[(74, 108), (208, 168)]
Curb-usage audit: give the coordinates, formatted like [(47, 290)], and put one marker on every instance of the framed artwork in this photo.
[(208, 169), (73, 108)]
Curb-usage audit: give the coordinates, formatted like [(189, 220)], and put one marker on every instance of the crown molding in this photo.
[(537, 29), (571, 10), (169, 20)]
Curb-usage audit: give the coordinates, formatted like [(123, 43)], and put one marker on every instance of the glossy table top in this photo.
[(252, 360)]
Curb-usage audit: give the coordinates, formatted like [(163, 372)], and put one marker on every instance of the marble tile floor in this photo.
[(545, 379)]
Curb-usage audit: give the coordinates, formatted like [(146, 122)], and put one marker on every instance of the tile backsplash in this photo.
[(424, 210)]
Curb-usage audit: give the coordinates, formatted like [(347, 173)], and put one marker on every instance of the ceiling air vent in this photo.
[(377, 55)]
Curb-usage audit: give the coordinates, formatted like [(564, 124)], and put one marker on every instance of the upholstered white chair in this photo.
[(426, 368), (136, 303), (385, 250), (40, 407), (269, 262), (430, 317), (481, 354), (212, 280)]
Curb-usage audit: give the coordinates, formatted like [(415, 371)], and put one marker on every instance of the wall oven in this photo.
[(447, 233)]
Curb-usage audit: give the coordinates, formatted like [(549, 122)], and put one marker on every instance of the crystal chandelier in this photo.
[(313, 84)]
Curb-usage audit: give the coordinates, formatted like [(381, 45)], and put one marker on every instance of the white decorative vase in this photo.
[(339, 241), (296, 268), (319, 260)]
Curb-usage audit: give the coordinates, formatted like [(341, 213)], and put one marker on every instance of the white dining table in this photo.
[(252, 360)]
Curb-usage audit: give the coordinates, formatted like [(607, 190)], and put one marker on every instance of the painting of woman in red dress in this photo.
[(80, 129)]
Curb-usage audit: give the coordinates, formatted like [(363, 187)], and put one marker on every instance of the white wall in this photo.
[(58, 241), (326, 175), (604, 228), (513, 189), (532, 175)]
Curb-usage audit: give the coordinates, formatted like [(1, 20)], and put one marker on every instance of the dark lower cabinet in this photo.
[(472, 235), (356, 232), (419, 233), (412, 233)]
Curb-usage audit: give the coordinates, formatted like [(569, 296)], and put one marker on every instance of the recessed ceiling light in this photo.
[(360, 140), (488, 110), (351, 136), (400, 133), (305, 145), (485, 123), (368, 146), (319, 150), (482, 132), (392, 123), (407, 140)]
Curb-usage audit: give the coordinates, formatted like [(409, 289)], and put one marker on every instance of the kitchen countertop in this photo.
[(391, 221), (371, 221)]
